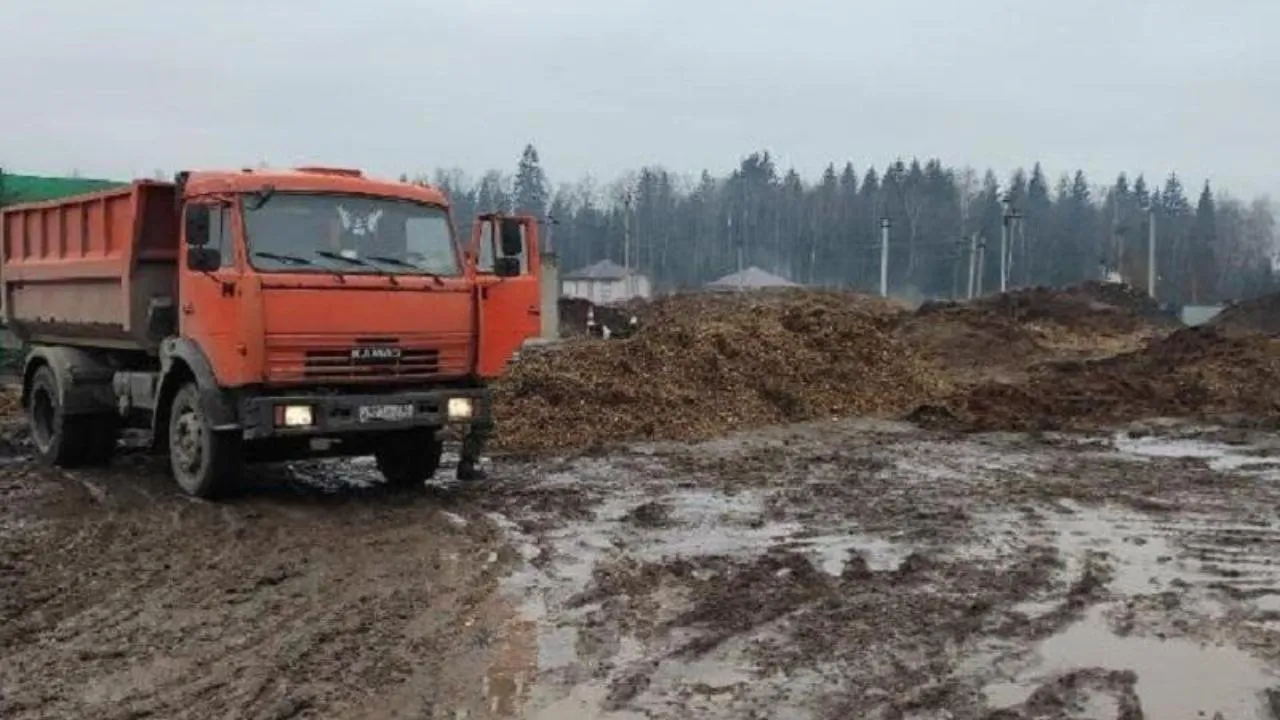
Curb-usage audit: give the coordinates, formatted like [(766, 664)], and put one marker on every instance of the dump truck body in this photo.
[(92, 269), (285, 314)]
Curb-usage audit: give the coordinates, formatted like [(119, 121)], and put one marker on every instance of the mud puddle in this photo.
[(1174, 626), (821, 572), (908, 576), (1256, 456), (1174, 678)]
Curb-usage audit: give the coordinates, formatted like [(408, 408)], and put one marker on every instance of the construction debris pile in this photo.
[(705, 364), (1195, 372)]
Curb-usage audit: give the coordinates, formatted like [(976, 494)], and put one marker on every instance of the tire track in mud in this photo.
[(825, 571), (887, 577), (283, 602)]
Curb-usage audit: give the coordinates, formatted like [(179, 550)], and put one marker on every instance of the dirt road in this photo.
[(834, 570)]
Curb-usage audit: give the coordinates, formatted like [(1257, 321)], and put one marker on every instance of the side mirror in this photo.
[(512, 237), (197, 225), (507, 267), (203, 259)]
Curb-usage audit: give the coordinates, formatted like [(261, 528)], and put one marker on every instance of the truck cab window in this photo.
[(220, 234), (300, 232), (488, 248)]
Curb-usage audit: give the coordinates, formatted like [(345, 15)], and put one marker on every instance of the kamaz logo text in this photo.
[(373, 353)]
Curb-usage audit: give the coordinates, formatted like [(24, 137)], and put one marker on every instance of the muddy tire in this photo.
[(205, 464), (408, 460), (60, 440)]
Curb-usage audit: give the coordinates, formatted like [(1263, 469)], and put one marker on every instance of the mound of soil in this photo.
[(1127, 298), (998, 336), (1074, 308), (705, 364), (1256, 315), (1195, 372)]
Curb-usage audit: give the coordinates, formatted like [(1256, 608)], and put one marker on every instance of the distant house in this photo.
[(605, 282), (752, 278)]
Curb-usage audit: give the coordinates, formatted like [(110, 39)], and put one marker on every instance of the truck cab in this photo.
[(264, 315)]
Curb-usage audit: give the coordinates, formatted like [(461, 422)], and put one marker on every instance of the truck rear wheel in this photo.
[(205, 464), (409, 459), (60, 439)]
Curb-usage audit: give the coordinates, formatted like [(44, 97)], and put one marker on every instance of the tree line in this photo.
[(687, 231)]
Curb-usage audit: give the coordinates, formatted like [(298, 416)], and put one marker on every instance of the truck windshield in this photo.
[(374, 235)]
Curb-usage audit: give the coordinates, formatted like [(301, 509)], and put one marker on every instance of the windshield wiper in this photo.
[(292, 259), (297, 260), (261, 197), (356, 261), (406, 264)]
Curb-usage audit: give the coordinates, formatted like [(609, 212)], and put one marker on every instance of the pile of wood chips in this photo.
[(705, 364)]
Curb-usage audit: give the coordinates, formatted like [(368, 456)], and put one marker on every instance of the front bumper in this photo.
[(340, 414)]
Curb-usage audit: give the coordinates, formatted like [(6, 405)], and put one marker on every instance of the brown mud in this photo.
[(830, 570)]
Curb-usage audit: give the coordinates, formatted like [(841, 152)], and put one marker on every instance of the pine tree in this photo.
[(531, 184), (1202, 242)]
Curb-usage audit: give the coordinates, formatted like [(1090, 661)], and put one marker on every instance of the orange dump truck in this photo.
[(264, 315)]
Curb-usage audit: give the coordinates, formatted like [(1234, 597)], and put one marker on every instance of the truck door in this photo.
[(510, 297), (209, 283)]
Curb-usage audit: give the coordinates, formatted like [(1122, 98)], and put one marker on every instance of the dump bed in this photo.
[(92, 270)]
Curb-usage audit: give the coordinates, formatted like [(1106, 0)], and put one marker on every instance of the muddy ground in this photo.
[(682, 527), (830, 570)]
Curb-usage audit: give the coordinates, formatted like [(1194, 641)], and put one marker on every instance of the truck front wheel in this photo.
[(409, 459), (204, 463)]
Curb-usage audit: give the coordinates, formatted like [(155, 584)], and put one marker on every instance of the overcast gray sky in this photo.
[(129, 86)]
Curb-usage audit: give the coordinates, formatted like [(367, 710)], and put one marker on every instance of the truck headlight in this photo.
[(294, 415), (460, 408)]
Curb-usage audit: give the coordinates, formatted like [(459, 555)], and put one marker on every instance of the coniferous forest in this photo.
[(825, 231)]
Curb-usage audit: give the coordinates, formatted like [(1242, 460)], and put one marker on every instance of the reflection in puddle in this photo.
[(1220, 457), (1176, 678), (1150, 555)]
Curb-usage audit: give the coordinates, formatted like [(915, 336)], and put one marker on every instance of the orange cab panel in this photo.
[(310, 334)]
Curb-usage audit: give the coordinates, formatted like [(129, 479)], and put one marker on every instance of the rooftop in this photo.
[(752, 277), (603, 270)]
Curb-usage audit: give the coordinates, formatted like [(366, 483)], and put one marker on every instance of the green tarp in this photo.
[(34, 188)]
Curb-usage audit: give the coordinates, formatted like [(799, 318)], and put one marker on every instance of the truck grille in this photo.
[(326, 359), (339, 364)]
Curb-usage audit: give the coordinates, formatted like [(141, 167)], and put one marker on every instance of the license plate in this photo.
[(385, 413)]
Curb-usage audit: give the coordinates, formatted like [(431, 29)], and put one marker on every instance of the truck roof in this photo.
[(309, 179)]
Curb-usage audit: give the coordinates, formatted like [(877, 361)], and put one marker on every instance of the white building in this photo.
[(605, 282), (752, 278)]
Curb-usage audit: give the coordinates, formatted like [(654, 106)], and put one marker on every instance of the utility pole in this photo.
[(973, 258), (1026, 253), (626, 243), (884, 256), (1005, 218), (1151, 250), (982, 262), (1015, 222)]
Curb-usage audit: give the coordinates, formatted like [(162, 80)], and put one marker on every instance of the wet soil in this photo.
[(1198, 372), (1256, 315), (829, 570)]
